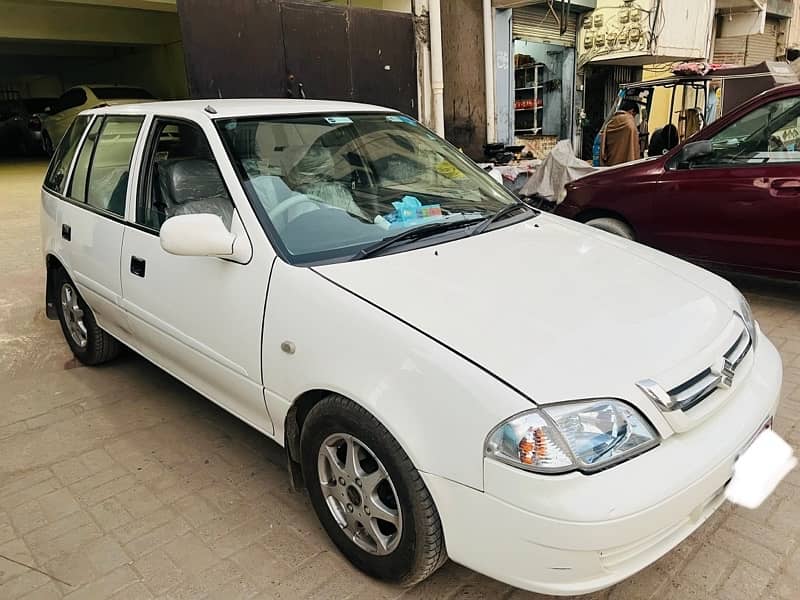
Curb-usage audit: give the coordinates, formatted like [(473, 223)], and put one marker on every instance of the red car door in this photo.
[(738, 204)]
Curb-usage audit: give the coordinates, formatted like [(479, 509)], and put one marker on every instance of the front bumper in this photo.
[(574, 534)]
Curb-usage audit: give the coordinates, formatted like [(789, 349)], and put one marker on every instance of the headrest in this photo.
[(191, 179)]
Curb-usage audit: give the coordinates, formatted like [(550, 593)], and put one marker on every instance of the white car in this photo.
[(451, 372)]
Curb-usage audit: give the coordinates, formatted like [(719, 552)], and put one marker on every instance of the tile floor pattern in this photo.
[(120, 482)]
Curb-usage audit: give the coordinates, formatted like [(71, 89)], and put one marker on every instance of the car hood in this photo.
[(553, 308)]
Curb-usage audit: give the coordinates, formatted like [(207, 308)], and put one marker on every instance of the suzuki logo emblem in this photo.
[(724, 370)]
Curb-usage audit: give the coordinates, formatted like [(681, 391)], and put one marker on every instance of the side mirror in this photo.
[(694, 150), (202, 235)]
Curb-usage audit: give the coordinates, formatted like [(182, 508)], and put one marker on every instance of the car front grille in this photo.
[(701, 386)]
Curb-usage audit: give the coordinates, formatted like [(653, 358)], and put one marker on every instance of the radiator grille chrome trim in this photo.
[(705, 383), (694, 390)]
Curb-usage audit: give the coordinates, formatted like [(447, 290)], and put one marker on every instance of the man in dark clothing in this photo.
[(663, 140), (620, 143)]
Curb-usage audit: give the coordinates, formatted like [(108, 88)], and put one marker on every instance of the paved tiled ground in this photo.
[(120, 482)]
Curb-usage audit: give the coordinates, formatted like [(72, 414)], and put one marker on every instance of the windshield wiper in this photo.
[(412, 234), (500, 214)]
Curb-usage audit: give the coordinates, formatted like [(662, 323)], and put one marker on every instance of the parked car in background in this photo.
[(353, 287), (36, 109), (20, 125), (13, 127), (729, 197), (61, 114)]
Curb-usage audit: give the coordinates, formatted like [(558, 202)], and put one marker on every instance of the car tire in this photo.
[(47, 144), (90, 344), (382, 477), (611, 225)]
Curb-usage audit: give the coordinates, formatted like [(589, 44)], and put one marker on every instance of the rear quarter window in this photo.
[(56, 176)]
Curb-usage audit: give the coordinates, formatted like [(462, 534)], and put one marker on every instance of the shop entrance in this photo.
[(543, 76)]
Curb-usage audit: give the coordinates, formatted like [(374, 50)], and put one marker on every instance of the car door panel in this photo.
[(738, 205), (91, 233), (95, 238), (198, 317), (732, 217)]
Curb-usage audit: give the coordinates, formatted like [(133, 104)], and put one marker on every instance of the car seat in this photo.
[(193, 186)]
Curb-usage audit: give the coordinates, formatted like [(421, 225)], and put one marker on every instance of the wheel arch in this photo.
[(603, 213), (293, 428), (296, 418), (53, 266)]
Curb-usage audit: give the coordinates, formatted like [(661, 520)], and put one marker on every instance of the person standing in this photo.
[(620, 143)]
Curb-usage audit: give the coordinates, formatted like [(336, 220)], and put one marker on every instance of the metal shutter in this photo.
[(749, 49), (538, 24), (730, 50), (761, 47)]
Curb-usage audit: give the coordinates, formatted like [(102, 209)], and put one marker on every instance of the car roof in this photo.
[(197, 109)]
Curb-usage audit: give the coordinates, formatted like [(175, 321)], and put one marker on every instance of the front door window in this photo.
[(769, 134), (182, 177)]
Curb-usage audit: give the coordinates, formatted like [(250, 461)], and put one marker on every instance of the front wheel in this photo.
[(369, 497)]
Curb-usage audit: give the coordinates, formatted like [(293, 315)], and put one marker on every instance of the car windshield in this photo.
[(121, 93), (328, 186)]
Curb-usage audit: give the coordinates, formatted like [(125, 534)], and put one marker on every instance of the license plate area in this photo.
[(764, 426)]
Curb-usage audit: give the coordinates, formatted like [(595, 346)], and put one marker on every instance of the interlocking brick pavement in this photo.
[(120, 482)]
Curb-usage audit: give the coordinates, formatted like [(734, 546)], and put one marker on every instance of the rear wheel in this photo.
[(90, 344), (612, 225), (367, 494)]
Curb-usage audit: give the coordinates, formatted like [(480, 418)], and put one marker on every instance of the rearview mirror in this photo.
[(199, 235), (694, 150)]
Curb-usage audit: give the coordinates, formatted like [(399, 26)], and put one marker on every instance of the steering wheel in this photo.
[(290, 202)]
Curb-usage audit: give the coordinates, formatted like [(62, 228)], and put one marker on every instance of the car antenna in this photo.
[(210, 110)]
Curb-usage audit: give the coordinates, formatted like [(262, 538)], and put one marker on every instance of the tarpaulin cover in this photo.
[(559, 168)]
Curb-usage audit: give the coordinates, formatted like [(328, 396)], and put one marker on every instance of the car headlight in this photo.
[(747, 316), (586, 436)]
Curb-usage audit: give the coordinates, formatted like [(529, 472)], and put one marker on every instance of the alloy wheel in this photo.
[(360, 494), (73, 315)]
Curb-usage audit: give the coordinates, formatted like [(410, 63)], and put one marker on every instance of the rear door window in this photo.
[(56, 177), (80, 174), (110, 164)]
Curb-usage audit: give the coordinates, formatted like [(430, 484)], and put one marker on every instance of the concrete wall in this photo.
[(464, 82), (681, 32), (793, 38), (57, 21)]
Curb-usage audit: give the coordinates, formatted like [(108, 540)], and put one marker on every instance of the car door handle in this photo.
[(786, 187), (66, 232), (137, 266)]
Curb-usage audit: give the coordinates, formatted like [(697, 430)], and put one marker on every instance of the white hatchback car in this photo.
[(451, 372)]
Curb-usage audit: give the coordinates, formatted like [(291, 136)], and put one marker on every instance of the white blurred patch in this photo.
[(760, 469)]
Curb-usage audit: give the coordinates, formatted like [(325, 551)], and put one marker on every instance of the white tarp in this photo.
[(559, 168)]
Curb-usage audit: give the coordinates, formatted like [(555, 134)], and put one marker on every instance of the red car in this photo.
[(729, 196)]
